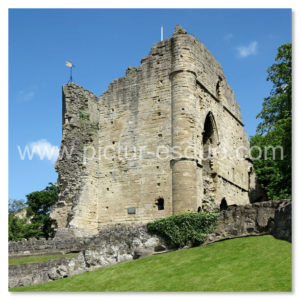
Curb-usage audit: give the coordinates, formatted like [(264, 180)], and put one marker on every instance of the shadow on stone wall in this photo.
[(257, 194)]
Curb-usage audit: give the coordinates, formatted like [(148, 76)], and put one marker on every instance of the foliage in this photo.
[(40, 202), (15, 205), (38, 258), (278, 105), (19, 229), (275, 129), (249, 264), (272, 174), (185, 229), (38, 205)]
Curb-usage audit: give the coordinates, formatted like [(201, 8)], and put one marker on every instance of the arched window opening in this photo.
[(223, 205), (210, 141), (210, 134)]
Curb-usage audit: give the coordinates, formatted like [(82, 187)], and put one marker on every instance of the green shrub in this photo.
[(19, 229), (186, 229)]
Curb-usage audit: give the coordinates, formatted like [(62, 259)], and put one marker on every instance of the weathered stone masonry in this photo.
[(114, 244), (178, 97), (123, 242)]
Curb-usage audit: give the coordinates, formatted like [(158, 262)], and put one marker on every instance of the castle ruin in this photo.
[(120, 168)]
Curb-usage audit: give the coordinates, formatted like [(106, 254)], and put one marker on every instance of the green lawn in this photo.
[(245, 264), (37, 259)]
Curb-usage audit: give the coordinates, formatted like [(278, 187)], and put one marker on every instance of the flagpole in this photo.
[(161, 33), (70, 65)]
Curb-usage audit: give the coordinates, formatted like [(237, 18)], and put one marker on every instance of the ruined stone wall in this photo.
[(163, 103), (123, 242), (135, 115), (80, 129), (268, 217), (29, 274), (199, 89), (211, 94), (112, 245)]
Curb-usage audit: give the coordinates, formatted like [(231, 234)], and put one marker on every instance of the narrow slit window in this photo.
[(160, 203)]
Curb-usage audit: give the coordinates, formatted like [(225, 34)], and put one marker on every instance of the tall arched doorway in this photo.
[(210, 142)]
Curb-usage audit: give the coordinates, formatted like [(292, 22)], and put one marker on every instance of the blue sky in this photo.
[(102, 44)]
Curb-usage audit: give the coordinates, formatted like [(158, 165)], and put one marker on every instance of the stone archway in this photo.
[(210, 142)]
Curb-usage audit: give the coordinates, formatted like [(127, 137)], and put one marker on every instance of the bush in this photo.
[(186, 229), (19, 229)]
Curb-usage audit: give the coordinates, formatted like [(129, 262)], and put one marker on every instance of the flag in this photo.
[(69, 64)]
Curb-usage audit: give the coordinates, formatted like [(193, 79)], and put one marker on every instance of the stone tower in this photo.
[(166, 138)]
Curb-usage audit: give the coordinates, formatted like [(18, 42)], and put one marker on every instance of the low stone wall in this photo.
[(46, 247), (66, 242), (269, 217), (112, 245), (121, 243), (29, 274)]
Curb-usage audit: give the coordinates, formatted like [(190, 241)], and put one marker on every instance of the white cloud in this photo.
[(41, 148), (244, 51), (26, 94)]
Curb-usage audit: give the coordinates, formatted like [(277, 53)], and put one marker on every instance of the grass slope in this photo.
[(245, 264), (37, 259)]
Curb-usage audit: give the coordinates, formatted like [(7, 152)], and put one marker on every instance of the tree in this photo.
[(39, 204), (16, 205), (275, 129), (38, 207), (19, 229)]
